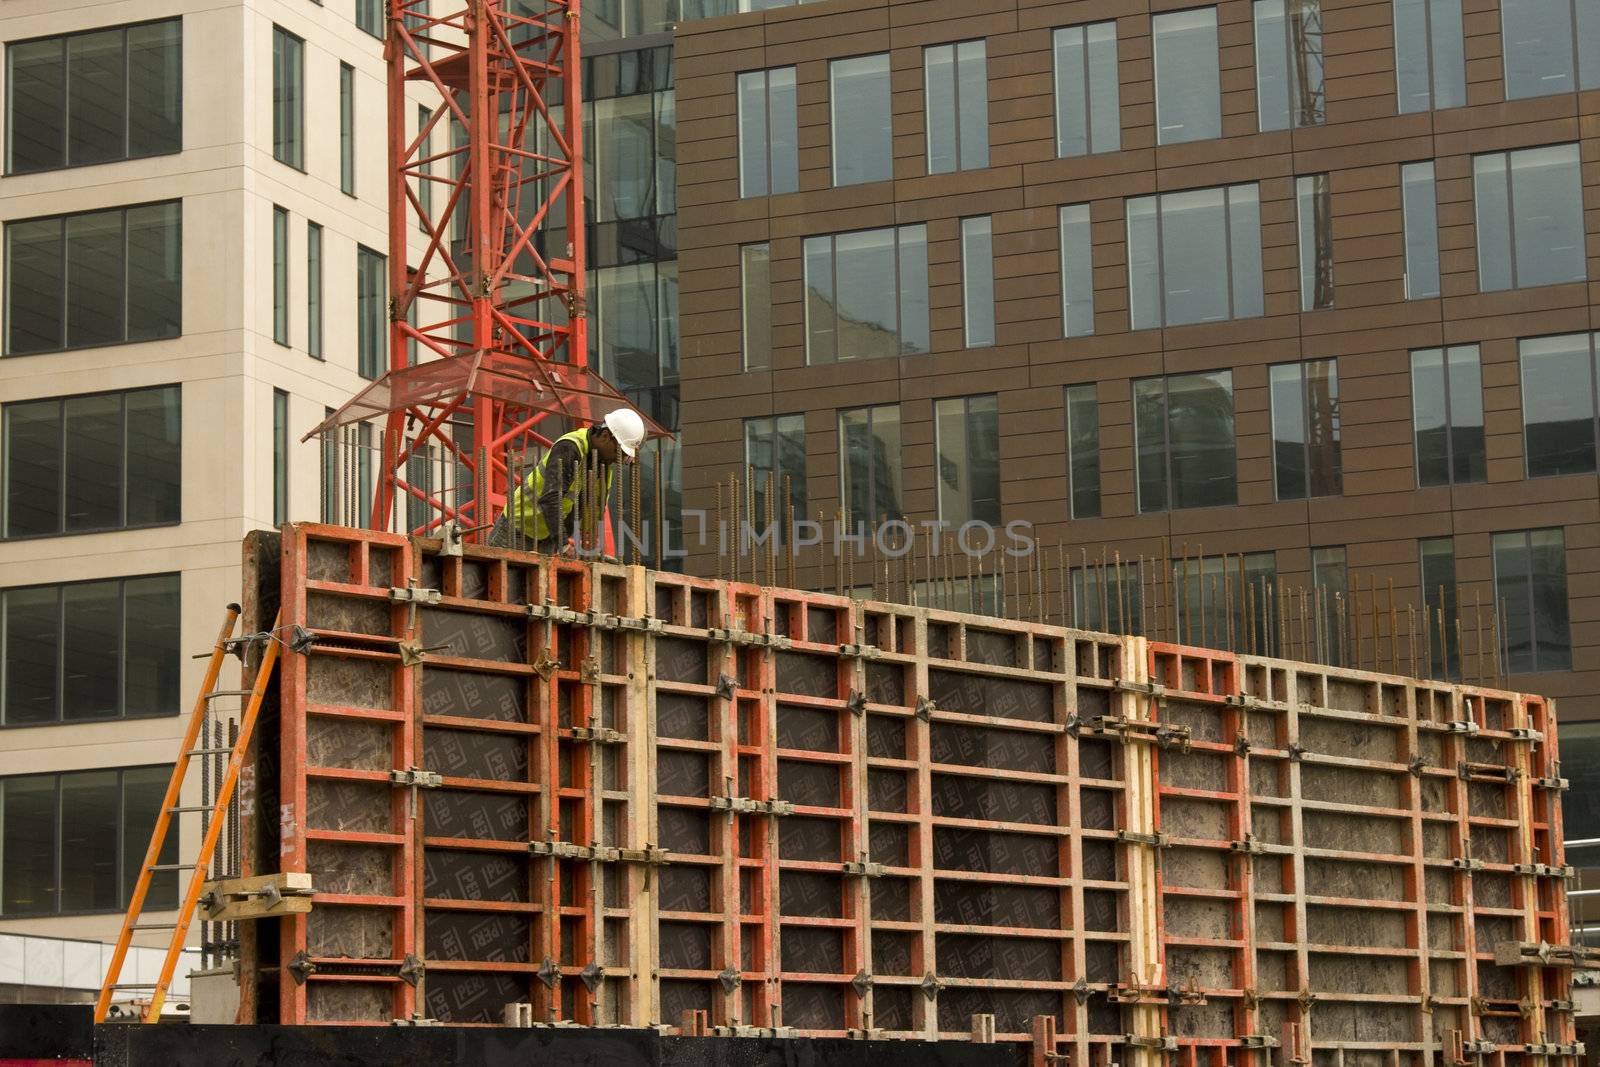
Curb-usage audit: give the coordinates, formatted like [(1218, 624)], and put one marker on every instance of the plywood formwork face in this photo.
[(733, 809)]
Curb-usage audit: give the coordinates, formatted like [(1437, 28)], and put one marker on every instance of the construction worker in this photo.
[(549, 505)]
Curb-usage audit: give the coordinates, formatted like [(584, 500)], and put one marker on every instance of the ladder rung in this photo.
[(135, 985), (155, 926), (192, 807), (229, 693), (208, 751), (174, 867)]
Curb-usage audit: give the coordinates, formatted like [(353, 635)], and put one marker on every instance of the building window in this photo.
[(280, 457), (1183, 437), (1530, 581), (89, 650), (863, 139), (634, 157), (869, 460), (1330, 580), (1429, 54), (347, 129), (1305, 429), (1558, 404), (314, 289), (1447, 415), (1289, 63), (1194, 256), (1419, 203), (1314, 209), (369, 17), (977, 280), (1549, 46), (328, 445), (1107, 597), (1437, 563), (280, 275), (104, 461), (1083, 452), (424, 170), (776, 445), (769, 156), (633, 332), (288, 98), (75, 843), (364, 465), (98, 278), (755, 301), (966, 433), (1221, 600), (867, 294), (1077, 271), (1088, 99), (956, 86), (1188, 78), (371, 313), (1580, 765), (1530, 217), (94, 97)]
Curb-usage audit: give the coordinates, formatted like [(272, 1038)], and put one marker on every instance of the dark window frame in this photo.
[(371, 365), (1446, 352), (961, 149), (1089, 95), (280, 275), (1318, 296), (750, 358), (1592, 338), (1160, 280), (295, 108), (1432, 63), (777, 425), (1333, 442), (1168, 481), (901, 301), (1073, 511), (970, 504), (768, 171), (986, 337), (1534, 642), (1296, 60), (347, 129), (280, 457), (874, 491), (1508, 179)]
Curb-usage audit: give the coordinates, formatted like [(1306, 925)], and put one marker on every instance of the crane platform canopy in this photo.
[(540, 388)]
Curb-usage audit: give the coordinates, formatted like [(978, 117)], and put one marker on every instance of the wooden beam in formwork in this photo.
[(640, 798)]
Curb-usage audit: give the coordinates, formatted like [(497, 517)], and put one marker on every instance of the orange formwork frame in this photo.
[(733, 809)]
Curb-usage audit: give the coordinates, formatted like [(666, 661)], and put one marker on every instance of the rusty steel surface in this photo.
[(624, 797)]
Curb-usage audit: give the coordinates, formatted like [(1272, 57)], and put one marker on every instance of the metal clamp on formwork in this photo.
[(857, 702), (1555, 785), (747, 806), (1461, 726), (725, 686), (1160, 1044), (1166, 734), (1538, 953), (1487, 772), (415, 595), (1526, 733), (1154, 690), (1155, 840), (589, 670), (416, 1020), (563, 616), (261, 896), (599, 735), (546, 664), (1551, 1049), (861, 651), (417, 778), (862, 869), (566, 850), (411, 970), (1477, 1047), (771, 1032), (1542, 870), (412, 654), (1257, 1041), (1250, 846), (746, 638), (1466, 863), (629, 622), (925, 708), (1122, 993)]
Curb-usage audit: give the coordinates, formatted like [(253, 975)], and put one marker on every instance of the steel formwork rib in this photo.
[(735, 809)]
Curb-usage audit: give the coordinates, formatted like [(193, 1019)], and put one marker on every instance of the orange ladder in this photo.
[(170, 807)]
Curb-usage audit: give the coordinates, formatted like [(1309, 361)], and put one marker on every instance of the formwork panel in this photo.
[(627, 797)]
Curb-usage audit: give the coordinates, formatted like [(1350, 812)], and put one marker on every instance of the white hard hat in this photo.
[(628, 428)]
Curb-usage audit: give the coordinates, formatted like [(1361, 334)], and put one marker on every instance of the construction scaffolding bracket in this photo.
[(747, 806), (1164, 734), (416, 778), (1538, 953), (262, 896)]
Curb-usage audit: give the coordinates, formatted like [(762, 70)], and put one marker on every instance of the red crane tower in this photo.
[(496, 164)]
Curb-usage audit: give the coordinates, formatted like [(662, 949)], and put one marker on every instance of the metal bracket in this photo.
[(1296, 751), (1487, 772), (592, 976), (1542, 870), (863, 869), (411, 969), (1155, 840), (1415, 767), (1467, 863), (1241, 745), (301, 967), (1550, 1049), (730, 979), (418, 1019), (1160, 1044), (1166, 734), (566, 850), (1080, 990), (747, 806), (1526, 733), (415, 595), (861, 651), (600, 735), (925, 708), (589, 670), (1461, 726), (746, 638), (1257, 1041), (857, 702), (1123, 993), (931, 984), (725, 686), (261, 896), (628, 622), (549, 973), (1249, 846), (416, 778), (765, 1032), (301, 639), (562, 615), (546, 664), (412, 654), (450, 538), (861, 983), (1541, 953)]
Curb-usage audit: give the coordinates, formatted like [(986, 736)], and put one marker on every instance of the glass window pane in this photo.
[(1194, 244), (1105, 95), (913, 267), (314, 289), (280, 275), (1513, 590), (753, 134), (97, 97), (1144, 263), (1200, 428), (868, 300), (347, 129), (784, 176), (1314, 210), (1428, 416), (1244, 243), (32, 468), (1468, 461), (35, 287), (36, 118), (1547, 560), (1077, 271), (28, 842), (1306, 96), (1421, 216), (155, 271), (95, 280), (1188, 82), (1083, 452), (1449, 54), (1289, 432), (977, 281), (280, 457), (1536, 37), (155, 455), (1438, 568), (821, 321), (1272, 65), (862, 130), (143, 789), (1558, 413), (288, 90), (1547, 208), (1492, 201), (1588, 43), (1412, 55), (855, 452), (886, 463), (623, 183), (152, 658), (1072, 93), (955, 461), (972, 92), (1324, 456), (983, 441), (89, 832), (371, 338), (30, 624), (939, 86), (155, 88), (756, 301), (91, 650), (93, 457), (1150, 437)]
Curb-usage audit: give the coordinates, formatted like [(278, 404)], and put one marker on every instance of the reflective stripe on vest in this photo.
[(525, 499)]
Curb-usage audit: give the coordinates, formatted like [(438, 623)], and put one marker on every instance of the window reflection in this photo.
[(866, 294), (967, 441), (862, 132), (1429, 54), (1183, 430), (1558, 404), (1447, 414), (1194, 256), (1088, 98), (1188, 79), (1530, 217)]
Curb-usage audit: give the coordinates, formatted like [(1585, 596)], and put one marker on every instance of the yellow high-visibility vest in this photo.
[(525, 498)]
